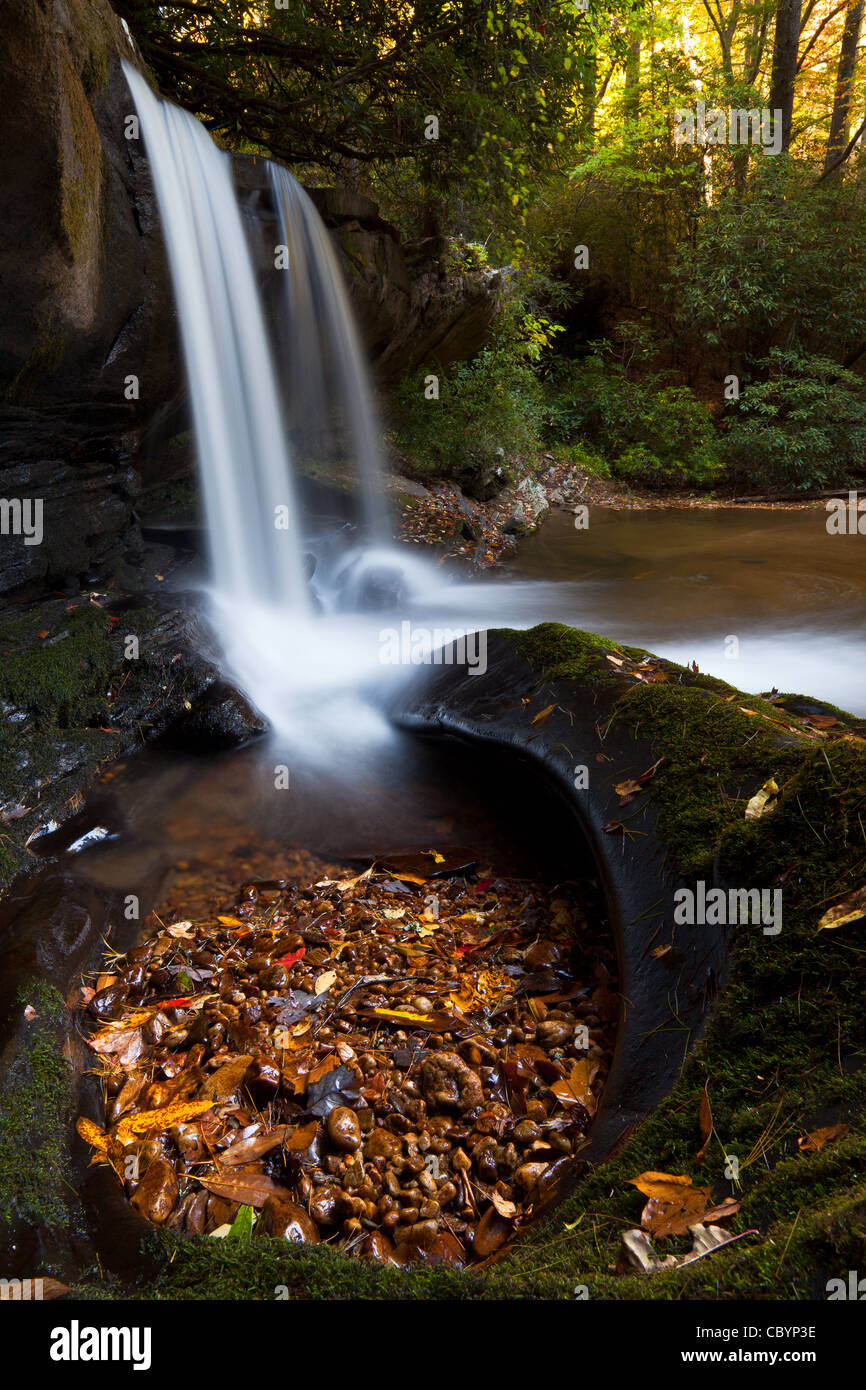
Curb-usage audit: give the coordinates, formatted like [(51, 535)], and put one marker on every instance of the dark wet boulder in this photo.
[(221, 718)]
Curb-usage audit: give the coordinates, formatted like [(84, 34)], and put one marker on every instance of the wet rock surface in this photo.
[(401, 1065), (86, 679)]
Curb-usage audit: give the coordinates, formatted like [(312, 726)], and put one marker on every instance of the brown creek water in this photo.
[(682, 582)]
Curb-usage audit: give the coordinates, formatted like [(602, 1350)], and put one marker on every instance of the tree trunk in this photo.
[(785, 44), (838, 137), (632, 80)]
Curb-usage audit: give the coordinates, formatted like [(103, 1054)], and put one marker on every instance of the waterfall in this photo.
[(243, 451), (330, 403), (308, 647)]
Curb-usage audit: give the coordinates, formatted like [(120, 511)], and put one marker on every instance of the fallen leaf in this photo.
[(544, 714), (850, 909), (338, 1087), (127, 1044), (674, 1204), (292, 957), (247, 1150), (629, 789), (94, 1136), (705, 1120), (765, 800), (157, 1121), (502, 1205), (226, 1079), (182, 931), (820, 1138), (250, 1189), (325, 980), (576, 1088)]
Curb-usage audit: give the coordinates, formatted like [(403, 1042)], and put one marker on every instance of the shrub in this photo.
[(488, 417), (803, 427), (656, 435)]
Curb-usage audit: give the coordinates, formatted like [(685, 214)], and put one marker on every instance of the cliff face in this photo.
[(82, 271), (86, 300)]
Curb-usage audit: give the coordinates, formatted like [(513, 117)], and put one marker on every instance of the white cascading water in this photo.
[(240, 438), (299, 647), (330, 402), (308, 649)]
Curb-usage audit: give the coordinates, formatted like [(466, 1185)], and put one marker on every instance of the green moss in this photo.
[(567, 653), (35, 1114), (56, 678)]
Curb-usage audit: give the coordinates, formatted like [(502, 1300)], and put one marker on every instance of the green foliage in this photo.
[(327, 81), (802, 427), (35, 1112), (760, 271), (488, 418), (654, 434)]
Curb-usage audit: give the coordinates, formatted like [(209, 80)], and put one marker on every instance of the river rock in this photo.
[(344, 1131), (381, 1143), (447, 1081), (491, 1233), (156, 1194), (287, 1221)]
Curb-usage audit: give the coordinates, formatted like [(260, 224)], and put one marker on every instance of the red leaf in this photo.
[(292, 956)]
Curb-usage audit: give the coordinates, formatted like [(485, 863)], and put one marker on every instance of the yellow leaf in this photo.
[(576, 1088), (850, 909), (93, 1135), (764, 800), (180, 1113), (543, 714)]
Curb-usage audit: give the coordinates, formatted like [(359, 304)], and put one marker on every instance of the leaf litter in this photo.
[(350, 1060)]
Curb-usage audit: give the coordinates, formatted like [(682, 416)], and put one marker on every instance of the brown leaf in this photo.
[(576, 1088), (247, 1150), (628, 790), (302, 1137), (674, 1204), (728, 1207), (127, 1044), (250, 1189), (226, 1079), (502, 1205), (820, 1138)]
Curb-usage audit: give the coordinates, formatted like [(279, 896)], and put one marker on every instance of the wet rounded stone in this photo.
[(156, 1194), (381, 1143), (327, 1204), (344, 1130), (109, 1002), (377, 1247), (448, 1082), (285, 1220)]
